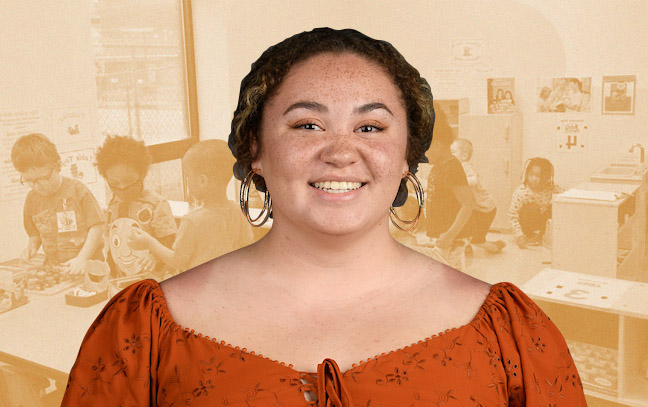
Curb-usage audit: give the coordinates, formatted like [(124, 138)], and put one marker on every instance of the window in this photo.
[(143, 53)]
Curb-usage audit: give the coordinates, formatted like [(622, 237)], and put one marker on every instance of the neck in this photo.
[(311, 260), (444, 155)]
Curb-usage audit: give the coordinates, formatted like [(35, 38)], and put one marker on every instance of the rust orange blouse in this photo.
[(510, 354)]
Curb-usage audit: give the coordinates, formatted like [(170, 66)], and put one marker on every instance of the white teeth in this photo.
[(337, 187)]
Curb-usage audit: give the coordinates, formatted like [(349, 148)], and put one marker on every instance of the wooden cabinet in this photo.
[(497, 156), (596, 236), (641, 231), (605, 324)]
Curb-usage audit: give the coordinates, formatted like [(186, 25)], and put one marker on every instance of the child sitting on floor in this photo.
[(531, 202), (485, 210), (214, 229), (60, 213)]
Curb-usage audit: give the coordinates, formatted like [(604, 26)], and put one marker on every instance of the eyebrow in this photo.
[(323, 109), (371, 106), (318, 107)]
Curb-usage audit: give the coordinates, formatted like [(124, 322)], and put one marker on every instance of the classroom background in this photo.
[(565, 81)]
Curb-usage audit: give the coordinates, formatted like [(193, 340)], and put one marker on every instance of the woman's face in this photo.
[(334, 140), (499, 94)]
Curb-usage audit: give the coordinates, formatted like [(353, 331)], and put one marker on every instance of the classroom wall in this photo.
[(525, 40)]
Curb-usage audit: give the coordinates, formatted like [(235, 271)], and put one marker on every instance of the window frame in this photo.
[(173, 150)]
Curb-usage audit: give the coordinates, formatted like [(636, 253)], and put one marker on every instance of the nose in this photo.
[(340, 151)]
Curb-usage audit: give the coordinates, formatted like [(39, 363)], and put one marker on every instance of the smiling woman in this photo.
[(331, 124)]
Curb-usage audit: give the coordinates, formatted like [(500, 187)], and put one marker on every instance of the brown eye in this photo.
[(368, 129), (307, 126)]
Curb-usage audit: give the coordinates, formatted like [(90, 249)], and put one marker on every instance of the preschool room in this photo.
[(116, 168)]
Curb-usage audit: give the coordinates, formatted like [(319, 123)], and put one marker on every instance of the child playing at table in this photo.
[(124, 163), (485, 209), (212, 230), (60, 213), (531, 202)]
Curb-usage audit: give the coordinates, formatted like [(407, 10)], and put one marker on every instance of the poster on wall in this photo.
[(71, 125), (467, 52), (14, 124), (79, 165), (449, 83), (560, 95), (500, 94), (571, 135), (618, 94)]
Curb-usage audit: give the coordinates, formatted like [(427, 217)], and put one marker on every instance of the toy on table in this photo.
[(94, 288), (12, 290)]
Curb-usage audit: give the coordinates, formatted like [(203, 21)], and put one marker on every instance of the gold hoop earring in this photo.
[(244, 196), (420, 199)]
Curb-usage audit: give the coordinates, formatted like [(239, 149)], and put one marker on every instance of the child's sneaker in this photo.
[(535, 239)]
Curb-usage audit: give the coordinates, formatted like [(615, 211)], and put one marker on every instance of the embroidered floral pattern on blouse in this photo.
[(510, 354)]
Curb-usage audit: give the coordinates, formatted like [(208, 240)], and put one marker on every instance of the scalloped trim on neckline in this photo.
[(166, 314)]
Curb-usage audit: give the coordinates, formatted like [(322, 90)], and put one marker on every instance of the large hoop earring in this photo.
[(244, 195), (420, 198)]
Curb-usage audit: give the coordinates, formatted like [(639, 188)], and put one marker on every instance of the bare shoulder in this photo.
[(199, 286), (458, 294)]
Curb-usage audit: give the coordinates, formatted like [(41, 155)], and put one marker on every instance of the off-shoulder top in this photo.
[(510, 354)]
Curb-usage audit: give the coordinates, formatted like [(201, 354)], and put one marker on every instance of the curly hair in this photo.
[(123, 150), (268, 72)]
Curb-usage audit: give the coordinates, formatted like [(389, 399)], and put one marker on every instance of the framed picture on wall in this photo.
[(618, 94), (500, 93)]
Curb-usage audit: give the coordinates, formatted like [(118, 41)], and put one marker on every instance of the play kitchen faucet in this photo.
[(642, 155)]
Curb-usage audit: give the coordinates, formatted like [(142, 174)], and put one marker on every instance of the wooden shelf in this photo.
[(605, 322)]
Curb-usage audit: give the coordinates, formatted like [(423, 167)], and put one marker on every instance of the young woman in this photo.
[(327, 309)]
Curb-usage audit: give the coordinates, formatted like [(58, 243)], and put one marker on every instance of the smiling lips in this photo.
[(337, 187)]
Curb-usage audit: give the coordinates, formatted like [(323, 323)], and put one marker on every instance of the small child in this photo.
[(60, 213), (124, 163), (485, 210), (214, 229), (531, 202)]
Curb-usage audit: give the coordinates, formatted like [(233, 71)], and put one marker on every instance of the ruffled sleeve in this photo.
[(539, 368), (113, 366)]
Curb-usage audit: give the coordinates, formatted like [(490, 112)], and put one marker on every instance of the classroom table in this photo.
[(44, 335)]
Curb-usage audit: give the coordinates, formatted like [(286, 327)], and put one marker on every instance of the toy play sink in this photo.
[(621, 172), (618, 170)]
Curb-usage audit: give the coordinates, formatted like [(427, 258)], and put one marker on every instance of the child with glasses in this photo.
[(217, 227), (60, 213), (124, 163)]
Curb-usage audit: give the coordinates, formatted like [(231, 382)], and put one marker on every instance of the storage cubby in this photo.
[(615, 249), (605, 324)]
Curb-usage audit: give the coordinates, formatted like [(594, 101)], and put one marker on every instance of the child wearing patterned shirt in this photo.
[(124, 163), (531, 202), (60, 213)]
